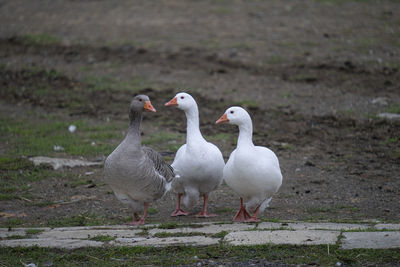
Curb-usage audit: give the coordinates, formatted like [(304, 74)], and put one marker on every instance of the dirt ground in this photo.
[(313, 75)]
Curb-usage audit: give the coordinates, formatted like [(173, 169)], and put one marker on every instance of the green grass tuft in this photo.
[(166, 234), (185, 255), (38, 138), (40, 39), (221, 234), (103, 238)]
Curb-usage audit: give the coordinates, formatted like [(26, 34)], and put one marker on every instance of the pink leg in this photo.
[(242, 215), (179, 211), (142, 220), (203, 213), (254, 217)]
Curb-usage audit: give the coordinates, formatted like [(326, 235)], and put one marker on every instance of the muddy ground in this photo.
[(313, 75)]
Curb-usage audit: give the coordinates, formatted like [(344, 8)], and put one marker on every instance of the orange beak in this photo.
[(149, 107), (223, 118), (172, 102)]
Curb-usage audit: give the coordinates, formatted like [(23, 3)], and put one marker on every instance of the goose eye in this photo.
[(140, 99), (232, 111), (182, 97)]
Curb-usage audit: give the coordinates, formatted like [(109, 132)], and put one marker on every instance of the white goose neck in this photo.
[(245, 138), (193, 134)]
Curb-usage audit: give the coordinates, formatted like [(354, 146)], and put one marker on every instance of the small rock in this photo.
[(383, 101), (72, 128), (389, 116), (58, 148), (93, 143), (338, 263)]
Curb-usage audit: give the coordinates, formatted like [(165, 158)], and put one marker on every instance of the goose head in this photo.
[(183, 101), (234, 115), (140, 103)]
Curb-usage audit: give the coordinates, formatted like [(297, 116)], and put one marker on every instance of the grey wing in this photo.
[(159, 163)]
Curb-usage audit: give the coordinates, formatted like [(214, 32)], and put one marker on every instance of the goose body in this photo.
[(137, 174), (198, 163), (252, 172)]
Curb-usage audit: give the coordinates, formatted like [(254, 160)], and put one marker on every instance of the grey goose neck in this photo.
[(133, 135)]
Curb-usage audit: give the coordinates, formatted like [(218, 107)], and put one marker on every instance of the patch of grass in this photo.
[(184, 255), (346, 113), (168, 225), (34, 138), (286, 95), (152, 210), (271, 220), (227, 137), (145, 232), (103, 238), (7, 196), (40, 39), (164, 141), (275, 59), (13, 222), (395, 108), (246, 103), (14, 163), (221, 234), (33, 231), (166, 234)]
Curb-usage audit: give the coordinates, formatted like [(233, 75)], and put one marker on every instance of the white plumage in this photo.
[(253, 172), (198, 163)]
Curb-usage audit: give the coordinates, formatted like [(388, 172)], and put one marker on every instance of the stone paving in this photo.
[(347, 236)]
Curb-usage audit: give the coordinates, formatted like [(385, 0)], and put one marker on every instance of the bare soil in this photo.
[(307, 71)]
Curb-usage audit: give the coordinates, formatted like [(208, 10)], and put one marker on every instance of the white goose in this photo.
[(253, 172), (198, 163)]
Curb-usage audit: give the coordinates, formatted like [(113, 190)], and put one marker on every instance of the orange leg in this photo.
[(254, 217), (242, 215), (142, 220), (179, 211), (203, 213)]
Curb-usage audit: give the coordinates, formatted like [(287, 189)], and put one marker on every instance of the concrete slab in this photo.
[(207, 229), (389, 116), (87, 233), (387, 226), (51, 243), (58, 163), (4, 232), (168, 241), (300, 237), (373, 240), (324, 226)]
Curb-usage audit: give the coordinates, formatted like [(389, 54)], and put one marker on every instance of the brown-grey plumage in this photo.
[(137, 174)]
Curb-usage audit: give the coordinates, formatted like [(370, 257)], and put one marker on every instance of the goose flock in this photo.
[(138, 175)]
